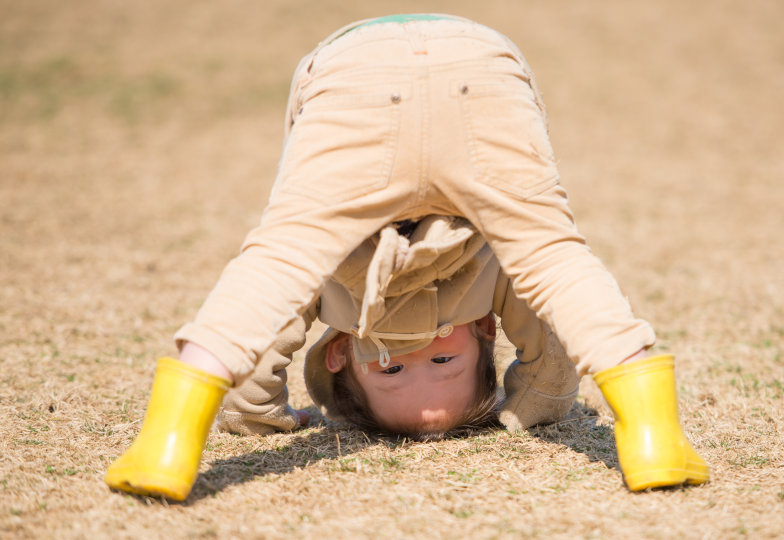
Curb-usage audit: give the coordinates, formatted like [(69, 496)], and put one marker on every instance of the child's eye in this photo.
[(392, 370), (441, 359)]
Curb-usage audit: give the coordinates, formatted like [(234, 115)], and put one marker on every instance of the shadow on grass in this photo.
[(578, 431), (322, 440), (581, 432)]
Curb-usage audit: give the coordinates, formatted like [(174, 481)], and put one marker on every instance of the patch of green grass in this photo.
[(40, 91), (89, 427), (746, 461), (464, 477), (579, 473), (131, 99), (725, 443), (391, 463), (751, 385), (462, 513), (346, 465), (39, 88)]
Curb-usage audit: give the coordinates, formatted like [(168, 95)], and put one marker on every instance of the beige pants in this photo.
[(395, 121)]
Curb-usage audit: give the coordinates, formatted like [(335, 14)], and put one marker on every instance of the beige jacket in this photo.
[(395, 293)]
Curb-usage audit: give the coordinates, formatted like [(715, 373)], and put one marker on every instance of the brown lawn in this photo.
[(138, 142)]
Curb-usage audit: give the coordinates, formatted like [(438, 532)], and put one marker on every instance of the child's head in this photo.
[(449, 384)]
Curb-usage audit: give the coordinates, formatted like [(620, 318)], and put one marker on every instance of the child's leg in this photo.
[(653, 451), (511, 194), (164, 458), (496, 166), (200, 358), (338, 183), (334, 190), (281, 268), (554, 271)]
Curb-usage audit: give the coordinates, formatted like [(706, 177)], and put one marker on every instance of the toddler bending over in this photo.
[(393, 120)]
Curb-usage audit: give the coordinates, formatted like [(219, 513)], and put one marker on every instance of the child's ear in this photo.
[(486, 325), (336, 356)]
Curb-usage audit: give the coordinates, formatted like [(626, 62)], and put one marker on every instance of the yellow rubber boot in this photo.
[(653, 451), (164, 458)]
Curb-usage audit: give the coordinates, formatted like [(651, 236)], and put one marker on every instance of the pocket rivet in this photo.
[(395, 98), (464, 89)]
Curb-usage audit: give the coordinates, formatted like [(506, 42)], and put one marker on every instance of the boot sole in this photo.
[(692, 475), (148, 484)]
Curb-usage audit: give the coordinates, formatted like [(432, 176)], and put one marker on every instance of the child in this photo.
[(390, 120)]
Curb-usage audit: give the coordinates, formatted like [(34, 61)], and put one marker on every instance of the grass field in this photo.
[(138, 143)]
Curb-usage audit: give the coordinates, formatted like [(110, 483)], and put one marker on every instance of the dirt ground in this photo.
[(138, 142)]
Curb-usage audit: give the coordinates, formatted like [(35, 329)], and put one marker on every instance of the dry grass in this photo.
[(137, 144)]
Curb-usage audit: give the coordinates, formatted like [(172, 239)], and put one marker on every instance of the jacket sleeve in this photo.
[(542, 382), (259, 405)]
